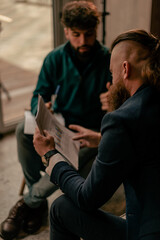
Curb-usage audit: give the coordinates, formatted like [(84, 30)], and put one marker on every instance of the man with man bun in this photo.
[(128, 153)]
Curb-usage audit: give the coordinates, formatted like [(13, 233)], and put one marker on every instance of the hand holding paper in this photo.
[(62, 136), (43, 143)]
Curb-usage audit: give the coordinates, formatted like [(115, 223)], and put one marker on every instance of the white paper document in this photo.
[(29, 123), (62, 136)]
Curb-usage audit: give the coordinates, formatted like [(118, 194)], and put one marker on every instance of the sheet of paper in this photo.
[(62, 136), (29, 123)]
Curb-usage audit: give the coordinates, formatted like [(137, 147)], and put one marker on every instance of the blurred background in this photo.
[(29, 30)]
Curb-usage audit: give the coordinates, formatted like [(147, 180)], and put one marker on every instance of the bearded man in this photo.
[(128, 153), (80, 67)]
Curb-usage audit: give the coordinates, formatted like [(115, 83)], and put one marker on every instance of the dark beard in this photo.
[(85, 56), (117, 95)]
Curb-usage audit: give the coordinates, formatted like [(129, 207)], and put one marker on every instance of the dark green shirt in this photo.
[(78, 98)]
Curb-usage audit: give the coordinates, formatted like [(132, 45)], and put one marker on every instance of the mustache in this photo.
[(84, 46)]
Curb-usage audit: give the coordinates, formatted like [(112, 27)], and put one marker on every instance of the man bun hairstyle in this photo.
[(80, 14), (151, 70)]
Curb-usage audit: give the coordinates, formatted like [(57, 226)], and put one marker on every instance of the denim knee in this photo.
[(21, 136), (24, 143), (20, 131)]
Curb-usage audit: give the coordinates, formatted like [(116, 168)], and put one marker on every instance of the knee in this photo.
[(20, 131), (21, 136), (56, 205)]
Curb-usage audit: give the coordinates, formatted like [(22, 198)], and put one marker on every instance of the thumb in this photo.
[(108, 84), (48, 105), (46, 133)]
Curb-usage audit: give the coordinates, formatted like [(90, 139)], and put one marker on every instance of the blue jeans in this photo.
[(68, 222), (39, 185)]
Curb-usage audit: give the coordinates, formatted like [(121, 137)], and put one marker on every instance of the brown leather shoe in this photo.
[(36, 218), (11, 226)]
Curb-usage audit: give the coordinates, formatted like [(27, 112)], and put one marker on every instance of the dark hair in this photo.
[(80, 14), (150, 70)]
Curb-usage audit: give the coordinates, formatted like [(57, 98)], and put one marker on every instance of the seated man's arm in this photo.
[(108, 170)]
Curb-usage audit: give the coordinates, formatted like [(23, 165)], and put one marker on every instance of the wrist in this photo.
[(53, 161), (46, 157)]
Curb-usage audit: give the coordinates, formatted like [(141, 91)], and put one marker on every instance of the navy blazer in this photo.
[(129, 153)]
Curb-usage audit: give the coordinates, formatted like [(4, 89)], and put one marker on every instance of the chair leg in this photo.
[(22, 187)]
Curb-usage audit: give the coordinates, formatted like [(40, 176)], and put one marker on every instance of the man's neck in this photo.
[(134, 85)]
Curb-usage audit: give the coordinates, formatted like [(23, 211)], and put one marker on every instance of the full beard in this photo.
[(84, 56), (117, 95)]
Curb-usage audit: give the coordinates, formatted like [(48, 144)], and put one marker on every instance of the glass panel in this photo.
[(25, 39)]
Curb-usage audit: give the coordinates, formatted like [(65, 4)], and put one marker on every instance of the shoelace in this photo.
[(17, 211)]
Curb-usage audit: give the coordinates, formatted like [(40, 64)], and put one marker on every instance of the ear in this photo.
[(66, 33), (126, 69)]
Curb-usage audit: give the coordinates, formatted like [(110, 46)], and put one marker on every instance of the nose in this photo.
[(82, 39)]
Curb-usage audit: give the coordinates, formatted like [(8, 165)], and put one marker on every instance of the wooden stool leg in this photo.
[(22, 187)]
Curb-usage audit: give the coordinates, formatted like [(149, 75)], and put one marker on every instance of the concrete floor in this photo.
[(24, 43), (10, 180)]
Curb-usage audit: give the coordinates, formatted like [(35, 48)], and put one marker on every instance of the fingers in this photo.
[(37, 130), (48, 105), (76, 127), (49, 140), (83, 144), (43, 143), (104, 98), (78, 137), (46, 133), (105, 107), (36, 134), (81, 132), (108, 84)]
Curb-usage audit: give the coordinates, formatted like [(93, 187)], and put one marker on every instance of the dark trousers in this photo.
[(68, 222)]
